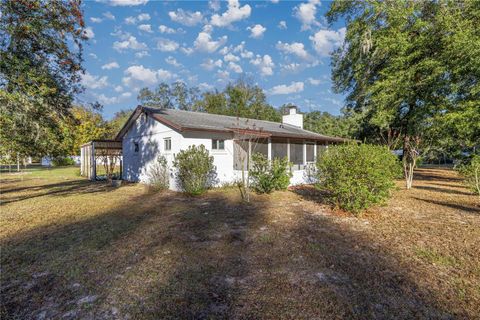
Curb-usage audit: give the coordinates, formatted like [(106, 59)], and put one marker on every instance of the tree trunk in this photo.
[(410, 155), (18, 164)]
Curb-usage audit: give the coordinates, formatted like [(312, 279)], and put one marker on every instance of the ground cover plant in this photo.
[(76, 249), (357, 176)]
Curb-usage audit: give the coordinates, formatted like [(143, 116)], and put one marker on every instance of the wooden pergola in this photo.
[(99, 152)]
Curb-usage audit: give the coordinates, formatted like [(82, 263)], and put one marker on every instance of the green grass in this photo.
[(432, 256)]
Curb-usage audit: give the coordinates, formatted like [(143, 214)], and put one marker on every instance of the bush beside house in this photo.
[(355, 177), (267, 176), (158, 177), (195, 171)]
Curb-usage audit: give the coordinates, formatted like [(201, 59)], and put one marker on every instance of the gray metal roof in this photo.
[(189, 120)]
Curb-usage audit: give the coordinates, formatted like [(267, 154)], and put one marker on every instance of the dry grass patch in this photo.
[(76, 249)]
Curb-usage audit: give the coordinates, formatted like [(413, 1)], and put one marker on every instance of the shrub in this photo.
[(356, 177), (471, 173), (62, 161), (158, 175), (195, 170), (267, 176)]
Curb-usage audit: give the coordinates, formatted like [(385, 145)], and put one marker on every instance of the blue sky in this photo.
[(283, 46)]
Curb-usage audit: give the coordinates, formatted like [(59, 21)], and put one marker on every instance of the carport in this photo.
[(99, 158)]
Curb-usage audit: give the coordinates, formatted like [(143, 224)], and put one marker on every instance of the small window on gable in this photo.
[(136, 147), (218, 144), (167, 144)]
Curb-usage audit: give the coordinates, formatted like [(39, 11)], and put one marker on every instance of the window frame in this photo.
[(216, 145), (169, 140)]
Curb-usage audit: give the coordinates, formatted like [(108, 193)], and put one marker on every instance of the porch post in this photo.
[(315, 152), (269, 149), (304, 153), (288, 149), (94, 163)]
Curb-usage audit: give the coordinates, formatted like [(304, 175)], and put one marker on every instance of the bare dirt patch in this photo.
[(74, 249)]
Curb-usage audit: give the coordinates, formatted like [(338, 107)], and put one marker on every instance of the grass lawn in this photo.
[(73, 249)]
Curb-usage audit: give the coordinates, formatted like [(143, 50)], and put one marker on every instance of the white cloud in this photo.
[(291, 67), (164, 29), (233, 14), (235, 67), (210, 64), (205, 86), (141, 54), (103, 99), (111, 65), (294, 87), (95, 20), (118, 89), (186, 18), (306, 12), (275, 1), (204, 42), (93, 55), (166, 45), (141, 17), (130, 43), (172, 61), (265, 64), (94, 82), (126, 95), (145, 27), (122, 3), (314, 82), (108, 15), (325, 41), (231, 57), (139, 75), (242, 51), (187, 51), (295, 48), (282, 25), (223, 76), (214, 5), (257, 31), (88, 32)]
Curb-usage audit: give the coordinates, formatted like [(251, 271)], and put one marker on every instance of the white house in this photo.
[(150, 132)]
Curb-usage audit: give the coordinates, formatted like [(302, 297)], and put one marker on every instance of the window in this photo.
[(218, 144), (167, 144), (136, 147)]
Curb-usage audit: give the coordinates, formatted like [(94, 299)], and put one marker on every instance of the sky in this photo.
[(282, 46)]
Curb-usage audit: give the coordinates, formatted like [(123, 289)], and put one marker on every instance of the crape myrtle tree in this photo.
[(40, 72), (405, 63)]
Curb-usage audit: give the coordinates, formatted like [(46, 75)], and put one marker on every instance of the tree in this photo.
[(404, 63), (327, 124), (177, 95), (40, 69), (240, 99), (118, 121)]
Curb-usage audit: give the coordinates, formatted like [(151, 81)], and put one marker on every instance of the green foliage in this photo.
[(267, 176), (158, 176), (40, 72), (118, 121), (356, 177), (471, 174), (165, 96), (62, 161), (327, 124), (410, 67), (195, 170)]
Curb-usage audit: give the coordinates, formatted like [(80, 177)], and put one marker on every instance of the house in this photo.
[(150, 132)]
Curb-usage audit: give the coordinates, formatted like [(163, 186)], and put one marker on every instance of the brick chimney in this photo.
[(293, 117)]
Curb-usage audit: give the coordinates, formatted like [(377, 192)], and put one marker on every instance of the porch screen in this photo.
[(296, 152), (279, 149), (240, 154), (310, 152), (260, 146)]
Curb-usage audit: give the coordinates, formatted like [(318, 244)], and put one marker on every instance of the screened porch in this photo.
[(299, 152)]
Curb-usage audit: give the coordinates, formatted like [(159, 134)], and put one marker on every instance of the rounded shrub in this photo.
[(267, 176), (195, 171), (357, 176), (62, 161)]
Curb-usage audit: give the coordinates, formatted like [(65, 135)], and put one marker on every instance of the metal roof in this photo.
[(188, 120)]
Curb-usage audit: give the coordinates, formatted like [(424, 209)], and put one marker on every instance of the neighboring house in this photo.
[(150, 132)]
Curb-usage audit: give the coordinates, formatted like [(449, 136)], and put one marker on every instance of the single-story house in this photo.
[(150, 132)]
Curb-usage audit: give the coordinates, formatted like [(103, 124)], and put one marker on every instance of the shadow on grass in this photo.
[(465, 208), (168, 256), (443, 190), (63, 188)]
